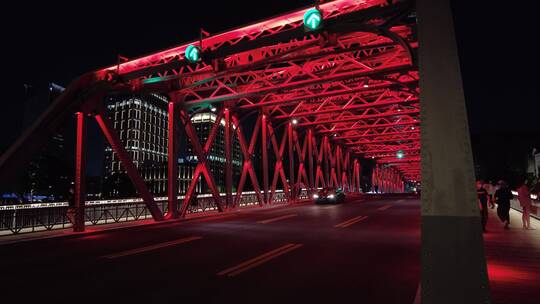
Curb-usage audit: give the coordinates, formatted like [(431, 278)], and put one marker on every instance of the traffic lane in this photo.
[(79, 249), (329, 267), (213, 253), (376, 261), (114, 241), (98, 244)]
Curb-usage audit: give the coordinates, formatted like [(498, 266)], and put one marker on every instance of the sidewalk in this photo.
[(513, 258)]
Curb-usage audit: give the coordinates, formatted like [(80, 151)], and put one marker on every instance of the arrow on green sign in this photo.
[(192, 53), (312, 19)]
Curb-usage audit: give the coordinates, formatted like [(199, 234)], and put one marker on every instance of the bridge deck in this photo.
[(513, 260), (367, 250)]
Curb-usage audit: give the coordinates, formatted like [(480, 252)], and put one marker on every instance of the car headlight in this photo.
[(331, 196), (315, 196)]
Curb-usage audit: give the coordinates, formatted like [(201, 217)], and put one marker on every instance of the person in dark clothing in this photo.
[(502, 198), (483, 200)]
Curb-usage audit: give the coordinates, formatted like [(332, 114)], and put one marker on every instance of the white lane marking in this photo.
[(263, 258), (384, 207), (275, 219), (349, 222), (151, 247)]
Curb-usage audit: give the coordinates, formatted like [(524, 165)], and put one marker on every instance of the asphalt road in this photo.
[(359, 251)]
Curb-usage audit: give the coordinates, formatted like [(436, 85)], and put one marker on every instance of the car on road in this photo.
[(329, 195)]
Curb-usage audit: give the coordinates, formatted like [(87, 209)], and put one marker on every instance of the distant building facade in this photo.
[(142, 124)]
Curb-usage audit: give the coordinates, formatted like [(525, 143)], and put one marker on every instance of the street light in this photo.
[(294, 121), (400, 154)]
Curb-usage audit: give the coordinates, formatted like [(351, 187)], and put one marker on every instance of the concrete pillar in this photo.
[(453, 261)]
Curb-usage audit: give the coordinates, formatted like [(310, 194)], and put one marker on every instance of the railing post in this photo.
[(80, 173)]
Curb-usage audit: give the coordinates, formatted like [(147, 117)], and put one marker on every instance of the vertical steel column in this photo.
[(339, 158), (172, 159), (326, 160), (345, 176), (292, 186), (301, 154), (264, 148), (320, 152), (358, 176), (80, 173), (453, 261), (228, 159), (310, 160)]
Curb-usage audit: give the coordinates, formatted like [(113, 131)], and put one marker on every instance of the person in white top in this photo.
[(524, 197)]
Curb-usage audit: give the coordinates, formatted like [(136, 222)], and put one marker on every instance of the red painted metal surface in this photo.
[(203, 167), (172, 152), (349, 91), (228, 158), (247, 153), (80, 173)]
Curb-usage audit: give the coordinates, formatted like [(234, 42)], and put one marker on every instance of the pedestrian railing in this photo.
[(48, 216)]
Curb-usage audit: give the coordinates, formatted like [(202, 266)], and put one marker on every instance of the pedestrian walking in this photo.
[(502, 197), (524, 197), (490, 187), (482, 194)]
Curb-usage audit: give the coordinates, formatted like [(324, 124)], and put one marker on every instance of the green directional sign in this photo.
[(193, 53), (312, 19)]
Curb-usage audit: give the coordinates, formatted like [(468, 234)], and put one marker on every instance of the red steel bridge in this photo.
[(321, 99)]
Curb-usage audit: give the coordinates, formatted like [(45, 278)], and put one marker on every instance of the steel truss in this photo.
[(323, 99)]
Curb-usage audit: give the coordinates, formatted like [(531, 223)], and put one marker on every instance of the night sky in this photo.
[(55, 42)]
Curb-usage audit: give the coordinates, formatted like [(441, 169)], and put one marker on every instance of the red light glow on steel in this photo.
[(293, 19)]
